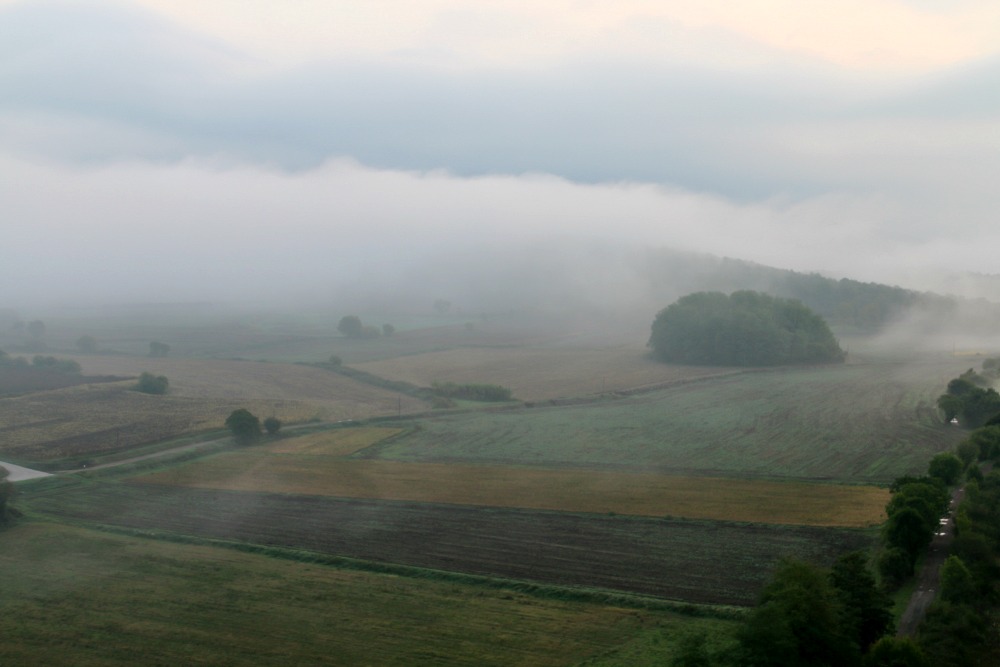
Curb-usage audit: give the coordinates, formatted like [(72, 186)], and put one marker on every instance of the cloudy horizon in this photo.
[(178, 150)]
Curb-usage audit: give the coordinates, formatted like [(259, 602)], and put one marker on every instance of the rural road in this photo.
[(929, 578), (20, 473)]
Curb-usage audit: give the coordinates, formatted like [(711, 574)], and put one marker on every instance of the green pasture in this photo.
[(77, 597), (850, 423)]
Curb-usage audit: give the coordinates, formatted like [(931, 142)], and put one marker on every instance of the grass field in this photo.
[(73, 596), (691, 561), (93, 419), (313, 465), (853, 423)]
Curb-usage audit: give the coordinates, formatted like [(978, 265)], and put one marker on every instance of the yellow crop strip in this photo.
[(313, 465)]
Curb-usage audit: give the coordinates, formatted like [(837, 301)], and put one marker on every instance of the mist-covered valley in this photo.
[(561, 333)]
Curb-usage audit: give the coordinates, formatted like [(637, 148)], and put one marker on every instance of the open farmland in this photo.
[(852, 423), (75, 597), (536, 373), (693, 561), (313, 465), (97, 418)]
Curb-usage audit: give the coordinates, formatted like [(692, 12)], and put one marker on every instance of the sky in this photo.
[(221, 149)]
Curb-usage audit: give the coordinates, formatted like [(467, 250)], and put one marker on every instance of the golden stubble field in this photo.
[(90, 419), (314, 465), (540, 373)]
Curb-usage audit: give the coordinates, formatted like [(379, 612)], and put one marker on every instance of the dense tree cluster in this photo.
[(914, 510), (351, 326), (41, 362), (955, 630), (743, 329), (809, 615), (244, 426), (152, 384), (970, 399)]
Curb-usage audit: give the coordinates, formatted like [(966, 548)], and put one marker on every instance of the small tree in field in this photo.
[(351, 326), (244, 426), (152, 384), (272, 425)]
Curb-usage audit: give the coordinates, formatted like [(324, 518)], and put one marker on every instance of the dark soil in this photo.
[(693, 561)]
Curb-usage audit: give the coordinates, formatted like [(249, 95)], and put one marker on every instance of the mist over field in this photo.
[(498, 156)]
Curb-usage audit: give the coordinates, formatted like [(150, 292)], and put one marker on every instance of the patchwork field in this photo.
[(691, 561), (73, 596), (97, 418), (855, 423), (313, 465), (541, 372)]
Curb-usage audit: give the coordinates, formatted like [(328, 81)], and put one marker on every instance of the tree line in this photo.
[(861, 305), (970, 399)]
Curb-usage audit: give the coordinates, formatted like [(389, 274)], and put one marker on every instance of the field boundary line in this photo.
[(542, 591)]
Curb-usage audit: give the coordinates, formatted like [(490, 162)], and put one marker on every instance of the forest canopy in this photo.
[(743, 329)]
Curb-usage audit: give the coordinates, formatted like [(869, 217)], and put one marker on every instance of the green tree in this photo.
[(867, 610), (952, 635), (152, 384), (244, 426), (388, 330), (86, 343), (957, 584), (272, 425), (947, 467), (895, 565), (692, 652), (986, 440), (158, 349), (798, 622), (909, 531), (895, 652), (351, 326), (929, 498)]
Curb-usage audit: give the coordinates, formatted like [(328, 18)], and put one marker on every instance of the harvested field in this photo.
[(93, 419), (311, 465), (856, 423), (338, 442), (16, 380), (693, 561), (79, 597), (540, 373)]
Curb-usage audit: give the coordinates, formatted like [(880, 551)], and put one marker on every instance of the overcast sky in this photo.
[(175, 149)]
